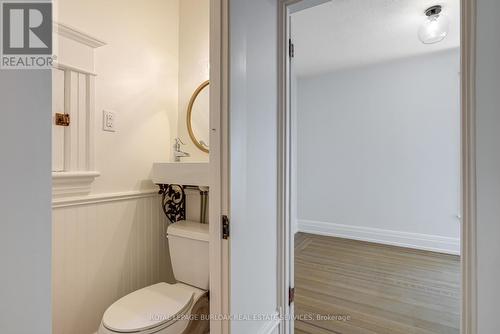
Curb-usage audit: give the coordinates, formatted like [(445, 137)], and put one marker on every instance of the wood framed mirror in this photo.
[(198, 116)]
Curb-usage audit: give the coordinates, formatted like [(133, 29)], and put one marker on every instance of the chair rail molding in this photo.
[(103, 198)]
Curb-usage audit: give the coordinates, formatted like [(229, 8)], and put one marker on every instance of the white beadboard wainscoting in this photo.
[(104, 247)]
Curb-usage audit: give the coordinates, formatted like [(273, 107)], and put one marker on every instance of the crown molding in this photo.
[(77, 35)]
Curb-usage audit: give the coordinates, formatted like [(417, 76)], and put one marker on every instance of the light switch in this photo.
[(109, 121)]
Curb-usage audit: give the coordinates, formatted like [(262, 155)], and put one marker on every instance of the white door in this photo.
[(288, 172), (253, 168), (25, 201)]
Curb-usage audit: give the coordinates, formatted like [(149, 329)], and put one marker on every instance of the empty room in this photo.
[(375, 105)]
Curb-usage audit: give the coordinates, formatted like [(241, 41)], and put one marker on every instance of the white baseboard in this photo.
[(402, 239)]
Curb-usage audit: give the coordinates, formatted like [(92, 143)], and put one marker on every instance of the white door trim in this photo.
[(468, 126), (218, 204)]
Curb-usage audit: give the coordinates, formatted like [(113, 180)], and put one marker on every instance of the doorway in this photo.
[(343, 172)]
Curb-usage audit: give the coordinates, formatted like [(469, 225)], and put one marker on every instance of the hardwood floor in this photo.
[(373, 288)]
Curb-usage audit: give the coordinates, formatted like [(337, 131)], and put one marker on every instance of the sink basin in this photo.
[(193, 174)]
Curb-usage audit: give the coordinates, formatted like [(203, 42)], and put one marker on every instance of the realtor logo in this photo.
[(26, 35)]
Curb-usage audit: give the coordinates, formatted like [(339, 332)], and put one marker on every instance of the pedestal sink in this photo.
[(190, 173)]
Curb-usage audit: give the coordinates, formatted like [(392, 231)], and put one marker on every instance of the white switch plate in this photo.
[(109, 120)]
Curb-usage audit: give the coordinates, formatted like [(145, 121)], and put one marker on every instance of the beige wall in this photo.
[(138, 78), (194, 24)]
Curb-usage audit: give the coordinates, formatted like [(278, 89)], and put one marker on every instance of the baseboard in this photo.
[(388, 237)]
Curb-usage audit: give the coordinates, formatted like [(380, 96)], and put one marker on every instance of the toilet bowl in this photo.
[(161, 308), (165, 308)]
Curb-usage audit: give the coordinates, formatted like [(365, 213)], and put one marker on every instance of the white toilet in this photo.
[(166, 308)]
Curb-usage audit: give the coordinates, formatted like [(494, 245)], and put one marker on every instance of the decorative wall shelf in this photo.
[(66, 184), (73, 96)]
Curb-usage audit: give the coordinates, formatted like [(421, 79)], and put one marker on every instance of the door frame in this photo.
[(218, 165), (468, 323)]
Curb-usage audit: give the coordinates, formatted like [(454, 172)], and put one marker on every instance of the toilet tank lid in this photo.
[(189, 229)]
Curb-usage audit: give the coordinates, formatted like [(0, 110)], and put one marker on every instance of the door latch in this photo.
[(225, 227)]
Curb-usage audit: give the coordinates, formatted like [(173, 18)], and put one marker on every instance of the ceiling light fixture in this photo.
[(436, 26)]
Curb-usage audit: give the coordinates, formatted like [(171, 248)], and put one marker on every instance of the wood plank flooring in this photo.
[(368, 288)]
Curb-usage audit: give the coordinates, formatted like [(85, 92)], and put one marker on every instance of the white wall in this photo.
[(253, 167), (194, 26), (25, 231), (488, 165), (379, 148), (137, 78)]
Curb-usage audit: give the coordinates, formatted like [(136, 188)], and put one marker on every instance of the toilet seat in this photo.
[(150, 309)]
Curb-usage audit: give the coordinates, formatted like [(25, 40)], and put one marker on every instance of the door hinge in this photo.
[(291, 49), (291, 295), (225, 227)]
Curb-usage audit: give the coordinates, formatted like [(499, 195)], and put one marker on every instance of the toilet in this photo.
[(165, 308)]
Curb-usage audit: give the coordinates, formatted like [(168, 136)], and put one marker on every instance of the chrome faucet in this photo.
[(178, 154)]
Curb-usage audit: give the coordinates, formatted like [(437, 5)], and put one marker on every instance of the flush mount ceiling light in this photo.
[(435, 28)]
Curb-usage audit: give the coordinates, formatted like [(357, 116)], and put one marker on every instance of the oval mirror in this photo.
[(198, 116)]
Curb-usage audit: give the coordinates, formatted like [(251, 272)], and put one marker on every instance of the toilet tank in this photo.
[(188, 245)]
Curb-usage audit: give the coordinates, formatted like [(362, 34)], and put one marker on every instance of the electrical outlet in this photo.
[(109, 121)]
